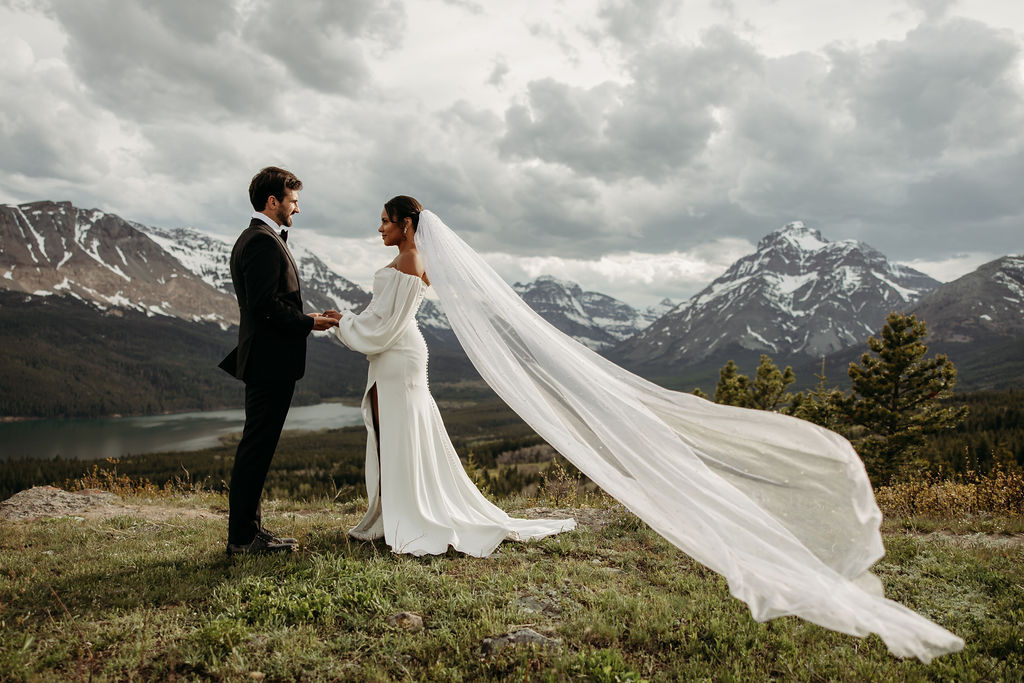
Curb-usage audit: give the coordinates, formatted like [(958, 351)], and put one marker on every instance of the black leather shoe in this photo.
[(278, 539), (263, 544)]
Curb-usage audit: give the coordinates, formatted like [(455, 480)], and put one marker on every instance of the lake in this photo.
[(95, 439)]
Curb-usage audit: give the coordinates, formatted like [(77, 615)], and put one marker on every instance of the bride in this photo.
[(780, 507), (420, 499)]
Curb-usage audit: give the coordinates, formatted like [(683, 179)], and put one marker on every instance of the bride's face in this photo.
[(390, 231)]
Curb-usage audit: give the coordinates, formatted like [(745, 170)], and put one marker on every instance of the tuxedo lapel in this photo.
[(293, 270)]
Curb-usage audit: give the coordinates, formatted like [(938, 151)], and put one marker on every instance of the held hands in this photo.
[(323, 321)]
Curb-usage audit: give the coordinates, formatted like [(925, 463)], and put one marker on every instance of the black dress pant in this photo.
[(266, 406)]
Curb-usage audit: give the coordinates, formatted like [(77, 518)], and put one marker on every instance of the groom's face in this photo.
[(286, 208)]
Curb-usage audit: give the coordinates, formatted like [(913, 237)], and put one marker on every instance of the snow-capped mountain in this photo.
[(435, 326), (986, 303), (798, 294), (652, 313), (203, 255), (55, 248), (595, 319), (592, 318), (209, 257)]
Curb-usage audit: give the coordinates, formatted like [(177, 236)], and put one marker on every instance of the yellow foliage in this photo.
[(1000, 492), (109, 479)]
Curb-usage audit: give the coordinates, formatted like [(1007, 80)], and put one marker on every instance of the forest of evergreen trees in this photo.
[(61, 358), (901, 413)]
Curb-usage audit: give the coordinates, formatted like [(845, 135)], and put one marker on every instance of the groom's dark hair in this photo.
[(271, 181)]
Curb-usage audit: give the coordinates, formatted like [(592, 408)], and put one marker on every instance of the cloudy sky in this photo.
[(635, 146)]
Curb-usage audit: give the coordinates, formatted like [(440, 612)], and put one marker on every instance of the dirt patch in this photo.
[(41, 502), (593, 518), (48, 501)]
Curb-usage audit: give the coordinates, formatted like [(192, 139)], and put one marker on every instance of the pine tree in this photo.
[(823, 405), (768, 391), (733, 388), (898, 397)]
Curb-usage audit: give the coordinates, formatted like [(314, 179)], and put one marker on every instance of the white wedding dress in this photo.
[(420, 499)]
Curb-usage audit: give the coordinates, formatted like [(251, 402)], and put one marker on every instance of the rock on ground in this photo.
[(595, 518), (41, 502), (48, 501), (406, 620), (524, 636)]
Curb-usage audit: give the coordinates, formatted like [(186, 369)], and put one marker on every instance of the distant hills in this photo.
[(153, 311)]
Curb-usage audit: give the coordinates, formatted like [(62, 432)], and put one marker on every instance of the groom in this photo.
[(271, 352)]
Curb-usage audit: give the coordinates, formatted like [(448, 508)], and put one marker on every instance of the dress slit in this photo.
[(375, 413)]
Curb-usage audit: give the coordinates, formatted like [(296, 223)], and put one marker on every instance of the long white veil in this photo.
[(780, 507)]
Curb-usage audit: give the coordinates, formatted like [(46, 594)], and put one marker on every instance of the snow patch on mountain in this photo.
[(986, 303), (594, 319), (797, 293)]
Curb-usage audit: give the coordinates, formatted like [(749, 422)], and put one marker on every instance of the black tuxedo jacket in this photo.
[(272, 328)]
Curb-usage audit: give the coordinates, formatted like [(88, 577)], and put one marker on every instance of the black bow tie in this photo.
[(284, 235)]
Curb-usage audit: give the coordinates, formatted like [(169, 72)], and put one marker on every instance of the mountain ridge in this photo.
[(54, 247), (797, 294), (796, 285), (199, 258)]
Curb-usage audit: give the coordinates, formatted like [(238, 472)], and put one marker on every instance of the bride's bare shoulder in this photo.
[(410, 263)]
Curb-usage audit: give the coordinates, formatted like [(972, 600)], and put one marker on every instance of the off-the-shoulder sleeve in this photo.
[(380, 325)]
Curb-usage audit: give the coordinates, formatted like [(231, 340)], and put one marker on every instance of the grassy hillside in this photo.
[(148, 594)]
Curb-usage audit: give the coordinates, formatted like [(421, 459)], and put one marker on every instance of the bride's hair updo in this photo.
[(401, 207)]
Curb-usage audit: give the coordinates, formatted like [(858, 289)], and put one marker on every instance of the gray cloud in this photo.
[(498, 72), (726, 7), (944, 103), (544, 30), (205, 152), (897, 143), (195, 21), (553, 212), (468, 5), (148, 66), (635, 22), (164, 110), (153, 61), (985, 199), (648, 128), (947, 88), (318, 41), (933, 9), (48, 129)]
